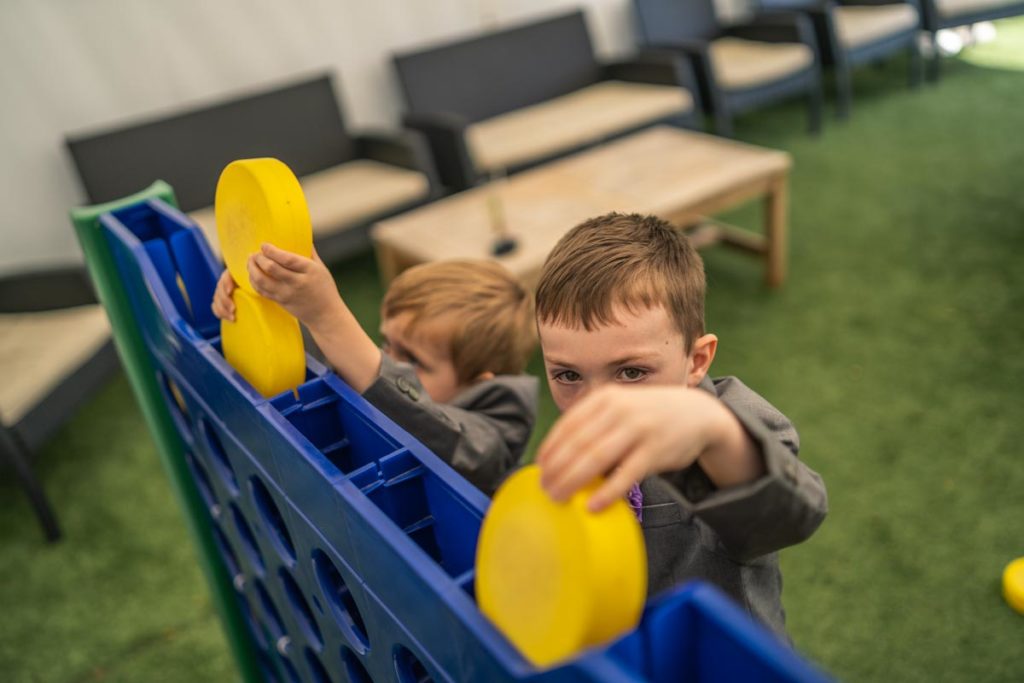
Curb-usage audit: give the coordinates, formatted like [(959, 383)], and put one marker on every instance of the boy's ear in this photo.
[(701, 357), (484, 376)]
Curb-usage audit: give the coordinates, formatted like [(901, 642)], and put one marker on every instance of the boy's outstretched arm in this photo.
[(630, 433), (304, 287)]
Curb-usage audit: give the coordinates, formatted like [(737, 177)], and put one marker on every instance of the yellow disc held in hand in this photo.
[(555, 578), (264, 344), (260, 200), (1013, 584)]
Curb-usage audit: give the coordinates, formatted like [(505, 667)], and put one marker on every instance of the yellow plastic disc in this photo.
[(1013, 584), (260, 200), (555, 578), (264, 344)]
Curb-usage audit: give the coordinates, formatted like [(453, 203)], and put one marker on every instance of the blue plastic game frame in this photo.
[(350, 545)]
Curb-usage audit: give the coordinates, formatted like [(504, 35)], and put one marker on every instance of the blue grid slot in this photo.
[(351, 545)]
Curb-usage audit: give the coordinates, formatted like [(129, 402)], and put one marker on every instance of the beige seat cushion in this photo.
[(344, 196), (953, 8), (740, 63), (579, 118), (863, 24), (38, 350)]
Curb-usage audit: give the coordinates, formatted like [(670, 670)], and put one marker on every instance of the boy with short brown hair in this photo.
[(710, 467), (457, 336)]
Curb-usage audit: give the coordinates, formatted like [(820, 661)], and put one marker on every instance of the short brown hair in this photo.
[(493, 328), (625, 259)]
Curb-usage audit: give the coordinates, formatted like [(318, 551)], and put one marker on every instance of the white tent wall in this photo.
[(71, 66)]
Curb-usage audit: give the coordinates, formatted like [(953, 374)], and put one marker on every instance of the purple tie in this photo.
[(635, 498)]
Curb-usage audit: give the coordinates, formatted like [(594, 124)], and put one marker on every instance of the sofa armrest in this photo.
[(45, 290), (661, 66), (445, 133), (693, 49), (407, 149), (657, 67), (914, 3), (767, 6)]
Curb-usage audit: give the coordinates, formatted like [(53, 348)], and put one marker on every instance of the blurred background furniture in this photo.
[(856, 32), (349, 180), (680, 175), (55, 351), (502, 101), (742, 67), (941, 14)]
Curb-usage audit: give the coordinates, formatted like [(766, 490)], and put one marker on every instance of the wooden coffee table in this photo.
[(679, 175)]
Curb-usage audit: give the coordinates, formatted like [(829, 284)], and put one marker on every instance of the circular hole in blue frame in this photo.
[(270, 614), (307, 622), (340, 602), (202, 480), (250, 620), (176, 404), (316, 667), (354, 668), (228, 553), (409, 668), (267, 667), (289, 671), (280, 537), (219, 456), (249, 545)]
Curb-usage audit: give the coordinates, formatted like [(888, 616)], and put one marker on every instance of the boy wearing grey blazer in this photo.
[(457, 336), (709, 467)]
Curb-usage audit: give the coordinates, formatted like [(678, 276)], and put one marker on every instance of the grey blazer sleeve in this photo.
[(482, 433), (782, 508)]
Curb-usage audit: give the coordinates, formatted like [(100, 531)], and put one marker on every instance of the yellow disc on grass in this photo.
[(555, 578), (264, 344), (260, 200), (1013, 584)]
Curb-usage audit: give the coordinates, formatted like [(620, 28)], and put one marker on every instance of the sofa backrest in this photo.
[(300, 123), (502, 71)]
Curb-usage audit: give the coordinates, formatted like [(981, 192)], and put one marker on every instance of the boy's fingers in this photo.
[(579, 473), (586, 412), (619, 482), (590, 419), (575, 445), (286, 259), (592, 461), (261, 282), (273, 268), (223, 310)]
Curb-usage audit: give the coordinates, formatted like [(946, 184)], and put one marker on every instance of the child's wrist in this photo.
[(729, 456), (324, 316)]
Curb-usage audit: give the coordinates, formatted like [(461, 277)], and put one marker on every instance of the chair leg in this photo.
[(14, 452), (815, 106), (723, 123), (935, 60), (844, 89), (916, 65)]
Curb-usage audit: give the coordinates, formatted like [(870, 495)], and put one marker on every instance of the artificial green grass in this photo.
[(895, 346)]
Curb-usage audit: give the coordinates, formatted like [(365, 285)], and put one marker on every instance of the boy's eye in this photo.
[(632, 374), (566, 376), (399, 354)]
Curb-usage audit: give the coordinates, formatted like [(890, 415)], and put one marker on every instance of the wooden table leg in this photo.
[(775, 213), (387, 262)]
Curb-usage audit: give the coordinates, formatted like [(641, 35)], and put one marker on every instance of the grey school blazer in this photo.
[(482, 432), (731, 537)]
